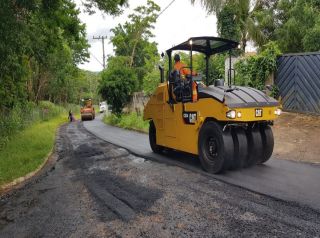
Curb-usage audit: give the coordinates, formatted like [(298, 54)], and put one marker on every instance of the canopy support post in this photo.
[(229, 71), (191, 58), (207, 70), (170, 60)]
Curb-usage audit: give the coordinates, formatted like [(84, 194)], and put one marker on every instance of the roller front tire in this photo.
[(215, 147), (153, 139)]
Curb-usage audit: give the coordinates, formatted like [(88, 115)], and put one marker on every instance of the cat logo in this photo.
[(190, 117), (259, 112)]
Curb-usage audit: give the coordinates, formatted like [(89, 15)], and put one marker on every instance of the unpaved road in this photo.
[(297, 137), (91, 188)]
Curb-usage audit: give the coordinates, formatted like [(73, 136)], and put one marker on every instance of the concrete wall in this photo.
[(138, 101)]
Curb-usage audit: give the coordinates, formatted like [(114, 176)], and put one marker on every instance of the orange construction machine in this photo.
[(87, 109)]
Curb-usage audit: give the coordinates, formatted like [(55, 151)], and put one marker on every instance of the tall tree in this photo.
[(211, 6), (40, 44), (113, 7), (132, 39), (249, 28), (298, 28), (243, 17), (226, 23)]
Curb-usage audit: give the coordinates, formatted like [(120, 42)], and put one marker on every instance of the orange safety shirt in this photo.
[(183, 71), (179, 66)]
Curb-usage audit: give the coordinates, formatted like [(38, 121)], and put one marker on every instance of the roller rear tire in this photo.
[(267, 142), (240, 148), (153, 139), (255, 146), (215, 147)]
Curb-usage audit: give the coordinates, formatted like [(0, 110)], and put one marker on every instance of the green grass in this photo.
[(131, 121), (26, 150)]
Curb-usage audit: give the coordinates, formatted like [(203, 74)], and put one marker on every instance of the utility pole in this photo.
[(102, 38)]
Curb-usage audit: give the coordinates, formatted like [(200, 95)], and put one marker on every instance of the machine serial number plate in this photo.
[(259, 112)]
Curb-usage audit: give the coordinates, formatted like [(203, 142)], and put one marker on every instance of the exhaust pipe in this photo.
[(161, 73)]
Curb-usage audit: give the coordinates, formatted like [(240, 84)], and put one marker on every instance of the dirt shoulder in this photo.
[(297, 137)]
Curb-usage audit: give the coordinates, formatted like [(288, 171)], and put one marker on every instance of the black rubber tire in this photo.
[(153, 139), (254, 145), (211, 140), (240, 148), (267, 142), (82, 119)]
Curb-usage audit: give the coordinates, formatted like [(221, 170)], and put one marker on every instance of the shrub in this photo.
[(22, 116), (112, 119), (254, 70), (118, 83), (127, 121), (150, 81), (49, 110)]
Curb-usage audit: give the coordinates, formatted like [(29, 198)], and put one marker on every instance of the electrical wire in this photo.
[(96, 58), (157, 18), (166, 8)]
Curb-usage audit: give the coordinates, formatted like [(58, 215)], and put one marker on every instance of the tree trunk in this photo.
[(138, 35), (244, 44), (133, 52)]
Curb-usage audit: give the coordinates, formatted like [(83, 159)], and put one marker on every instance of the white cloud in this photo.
[(178, 23)]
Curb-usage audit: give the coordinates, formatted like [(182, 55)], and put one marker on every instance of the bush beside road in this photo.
[(131, 121), (27, 136)]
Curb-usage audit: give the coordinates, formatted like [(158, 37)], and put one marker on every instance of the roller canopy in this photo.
[(207, 45)]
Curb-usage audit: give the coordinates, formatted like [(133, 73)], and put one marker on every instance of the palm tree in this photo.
[(211, 6), (245, 17)]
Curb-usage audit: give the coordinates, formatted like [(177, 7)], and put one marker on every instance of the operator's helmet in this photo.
[(176, 57)]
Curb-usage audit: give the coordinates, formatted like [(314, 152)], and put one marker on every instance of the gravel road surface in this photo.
[(91, 188), (279, 178)]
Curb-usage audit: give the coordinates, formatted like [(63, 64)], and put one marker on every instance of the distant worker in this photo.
[(71, 117), (181, 67)]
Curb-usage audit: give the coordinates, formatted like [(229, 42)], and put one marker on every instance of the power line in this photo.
[(166, 7), (102, 38), (96, 58)]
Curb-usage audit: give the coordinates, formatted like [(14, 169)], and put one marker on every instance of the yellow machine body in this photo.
[(172, 130)]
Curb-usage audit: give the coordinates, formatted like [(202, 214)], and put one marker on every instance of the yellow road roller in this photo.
[(227, 126)]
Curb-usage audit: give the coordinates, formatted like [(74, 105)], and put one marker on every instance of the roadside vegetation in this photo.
[(22, 117), (41, 44), (27, 137), (131, 121)]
